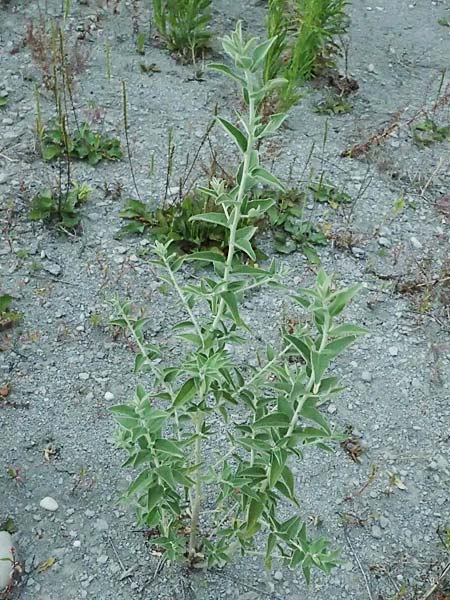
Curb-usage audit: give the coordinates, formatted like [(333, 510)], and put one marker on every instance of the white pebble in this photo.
[(49, 503), (6, 559), (415, 242), (109, 396)]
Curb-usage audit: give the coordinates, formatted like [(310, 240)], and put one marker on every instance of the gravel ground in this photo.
[(66, 368)]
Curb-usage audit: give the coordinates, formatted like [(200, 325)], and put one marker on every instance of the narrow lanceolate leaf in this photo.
[(263, 176), (155, 493), (347, 329), (207, 256), (185, 393), (230, 300), (319, 362), (275, 419), (260, 52), (216, 218), (300, 346), (339, 345), (271, 127), (142, 481), (168, 447), (226, 70), (235, 133), (246, 247), (339, 300), (276, 468)]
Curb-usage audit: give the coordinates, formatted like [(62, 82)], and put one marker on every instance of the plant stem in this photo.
[(183, 299), (241, 195), (196, 499), (309, 387)]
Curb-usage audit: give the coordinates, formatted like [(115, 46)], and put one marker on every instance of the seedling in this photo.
[(149, 68), (168, 429), (140, 43), (3, 98), (325, 192), (14, 474), (60, 207), (84, 144), (290, 230), (333, 105), (8, 317), (183, 25), (429, 132)]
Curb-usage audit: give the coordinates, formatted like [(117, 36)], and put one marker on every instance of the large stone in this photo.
[(6, 559)]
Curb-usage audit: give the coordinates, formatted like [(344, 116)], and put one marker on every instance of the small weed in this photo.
[(60, 207), (325, 192), (140, 43), (84, 144), (174, 223), (444, 21), (183, 24), (444, 535), (8, 525), (290, 230), (96, 320), (428, 132), (398, 206), (333, 105), (8, 318), (15, 475), (22, 253), (352, 445), (149, 68), (3, 98)]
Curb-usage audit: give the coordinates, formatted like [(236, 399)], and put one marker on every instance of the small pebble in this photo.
[(109, 396), (393, 351), (49, 503), (415, 242), (103, 559), (101, 525), (384, 242), (278, 576), (383, 522), (376, 532), (76, 544), (366, 376), (83, 376)]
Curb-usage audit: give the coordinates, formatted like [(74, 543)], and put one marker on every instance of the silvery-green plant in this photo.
[(214, 441)]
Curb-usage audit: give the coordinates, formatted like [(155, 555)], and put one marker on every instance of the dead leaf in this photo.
[(5, 390), (45, 564), (443, 205), (399, 483)]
